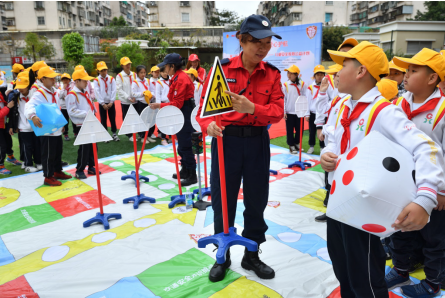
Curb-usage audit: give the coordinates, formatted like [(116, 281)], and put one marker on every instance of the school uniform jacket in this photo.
[(291, 92), (63, 93), (40, 96), (105, 89), (152, 87), (78, 105), (391, 121), (198, 92), (137, 89), (123, 85), (37, 84), (23, 123), (331, 113), (431, 122), (162, 89), (312, 94)]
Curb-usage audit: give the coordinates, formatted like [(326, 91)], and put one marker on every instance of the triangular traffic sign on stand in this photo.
[(92, 131), (216, 101), (132, 123)]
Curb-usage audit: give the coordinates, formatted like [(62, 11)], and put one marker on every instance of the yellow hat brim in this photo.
[(393, 66), (86, 78), (406, 62), (102, 68), (51, 75), (17, 86), (126, 62), (338, 57)]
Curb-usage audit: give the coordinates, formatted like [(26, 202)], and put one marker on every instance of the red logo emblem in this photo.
[(311, 31), (429, 116), (196, 237), (274, 204), (361, 121)]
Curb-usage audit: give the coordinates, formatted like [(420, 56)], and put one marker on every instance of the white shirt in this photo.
[(105, 89), (123, 85), (41, 97), (393, 124), (198, 91), (291, 93), (312, 94), (152, 87), (2, 77), (63, 93), (78, 106), (137, 89), (37, 84), (162, 90), (23, 122)]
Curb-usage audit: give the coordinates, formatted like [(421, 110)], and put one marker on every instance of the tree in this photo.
[(118, 22), (223, 17), (38, 46), (332, 38), (163, 51), (88, 63), (435, 11), (72, 45), (131, 50)]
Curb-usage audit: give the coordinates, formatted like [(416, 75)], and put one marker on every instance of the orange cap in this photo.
[(192, 71), (368, 55), (47, 72), (16, 68), (81, 75), (65, 76), (154, 68), (426, 57), (147, 95), (388, 88), (38, 65), (22, 82), (125, 60), (393, 66), (319, 68), (293, 69), (79, 67), (101, 66), (334, 68), (350, 41), (1, 82)]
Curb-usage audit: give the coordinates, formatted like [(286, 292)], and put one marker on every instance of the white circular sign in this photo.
[(148, 115), (195, 123), (170, 120)]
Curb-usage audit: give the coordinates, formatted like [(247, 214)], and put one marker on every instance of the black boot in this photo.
[(181, 174), (251, 261), (321, 218), (190, 179), (218, 271)]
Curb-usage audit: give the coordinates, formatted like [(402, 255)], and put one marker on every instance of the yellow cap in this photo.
[(388, 88), (16, 68), (65, 76), (38, 65), (319, 68), (147, 95), (350, 41), (47, 72), (153, 69), (368, 55), (425, 57), (334, 68), (1, 82), (293, 69), (23, 74), (442, 53), (3, 72), (29, 68), (125, 60), (101, 66), (79, 67), (192, 71), (393, 66), (81, 75), (22, 82)]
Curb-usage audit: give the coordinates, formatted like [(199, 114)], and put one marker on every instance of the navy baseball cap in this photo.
[(172, 58), (258, 26)]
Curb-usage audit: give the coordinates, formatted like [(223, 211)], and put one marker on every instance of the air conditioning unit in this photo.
[(9, 42), (162, 25)]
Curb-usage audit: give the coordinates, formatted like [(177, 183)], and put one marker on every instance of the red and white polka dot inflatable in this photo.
[(372, 184)]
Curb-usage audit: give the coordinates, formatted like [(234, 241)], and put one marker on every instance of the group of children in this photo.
[(75, 97), (406, 102)]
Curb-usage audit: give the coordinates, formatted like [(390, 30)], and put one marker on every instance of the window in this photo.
[(184, 3), (81, 25), (63, 22), (387, 46), (9, 5), (185, 17), (10, 22), (69, 23), (415, 46), (374, 8), (60, 21), (328, 17), (19, 52), (40, 20), (129, 16), (329, 2), (185, 33)]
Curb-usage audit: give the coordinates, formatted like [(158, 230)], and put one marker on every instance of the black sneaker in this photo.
[(64, 163), (321, 218), (251, 261), (218, 271), (81, 175), (92, 171), (182, 173)]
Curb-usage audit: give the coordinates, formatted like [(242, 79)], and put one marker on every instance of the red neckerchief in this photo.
[(143, 83), (333, 103), (316, 93), (346, 122), (297, 88), (88, 99), (430, 105), (106, 85), (52, 94), (26, 99)]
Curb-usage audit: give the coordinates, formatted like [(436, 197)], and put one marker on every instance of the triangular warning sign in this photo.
[(216, 101), (92, 131), (132, 123)]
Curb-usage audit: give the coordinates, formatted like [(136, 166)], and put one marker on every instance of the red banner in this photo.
[(18, 60)]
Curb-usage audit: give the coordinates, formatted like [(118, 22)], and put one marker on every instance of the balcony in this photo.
[(184, 3)]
